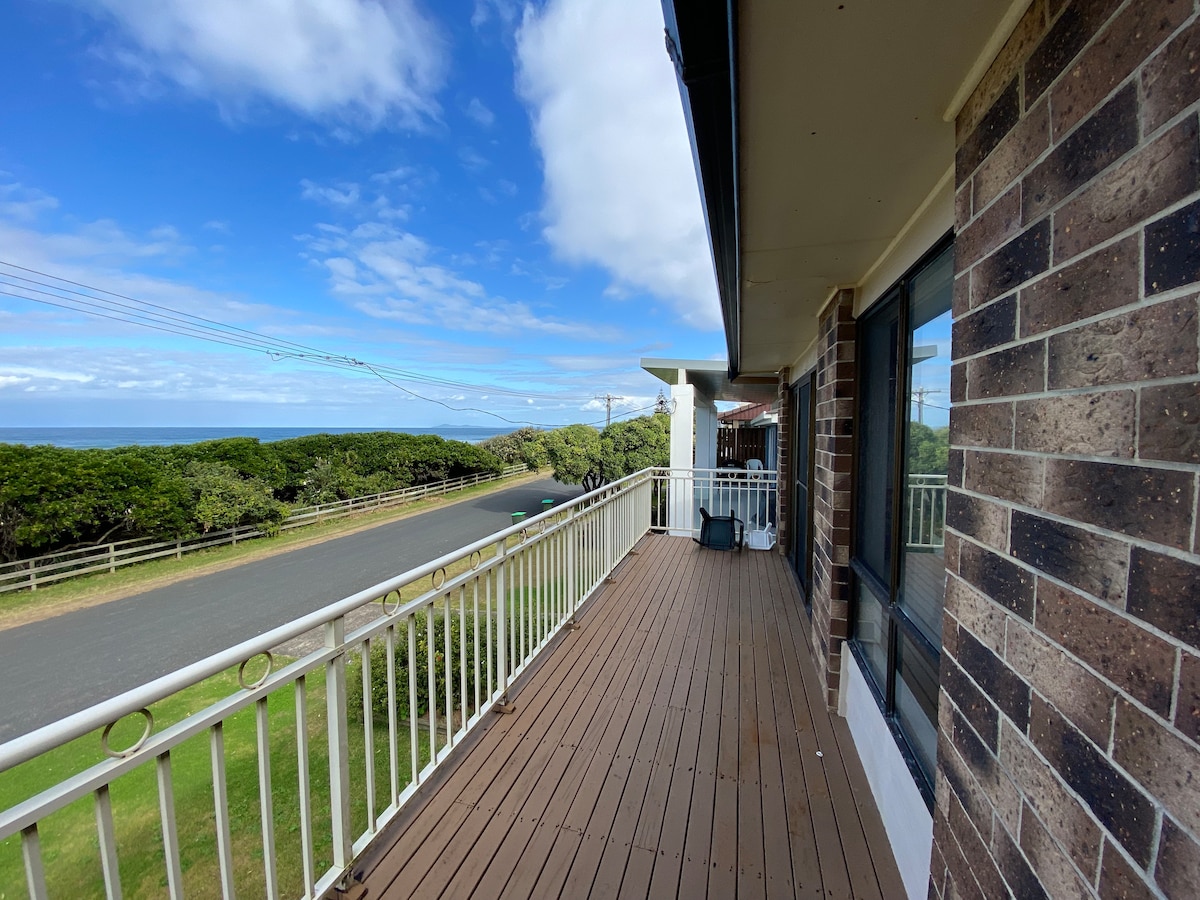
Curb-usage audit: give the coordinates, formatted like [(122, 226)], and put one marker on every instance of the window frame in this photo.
[(898, 621), (802, 557)]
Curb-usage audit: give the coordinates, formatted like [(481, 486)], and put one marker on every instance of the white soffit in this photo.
[(841, 139)]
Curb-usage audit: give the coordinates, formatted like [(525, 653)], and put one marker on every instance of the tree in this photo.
[(574, 454), (928, 449), (225, 500), (635, 444)]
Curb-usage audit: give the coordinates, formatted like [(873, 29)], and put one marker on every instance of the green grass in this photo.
[(70, 847), (16, 606)]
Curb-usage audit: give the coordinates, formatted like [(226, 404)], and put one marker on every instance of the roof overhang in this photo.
[(710, 377), (817, 138)]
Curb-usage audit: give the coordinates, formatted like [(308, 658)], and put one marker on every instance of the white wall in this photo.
[(906, 819)]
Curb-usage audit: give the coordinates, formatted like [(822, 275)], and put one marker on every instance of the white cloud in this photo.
[(343, 194), (367, 62), (390, 274), (480, 114), (620, 185), (25, 204), (472, 159)]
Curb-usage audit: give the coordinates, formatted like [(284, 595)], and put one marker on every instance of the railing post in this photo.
[(112, 557), (339, 745), (502, 621)]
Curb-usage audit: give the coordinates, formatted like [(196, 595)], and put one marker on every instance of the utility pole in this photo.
[(921, 393), (608, 402)]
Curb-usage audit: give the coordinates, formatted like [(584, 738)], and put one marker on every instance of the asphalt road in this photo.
[(58, 666)]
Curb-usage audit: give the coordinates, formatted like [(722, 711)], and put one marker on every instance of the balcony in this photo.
[(663, 735)]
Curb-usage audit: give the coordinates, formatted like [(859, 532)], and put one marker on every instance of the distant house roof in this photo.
[(747, 412)]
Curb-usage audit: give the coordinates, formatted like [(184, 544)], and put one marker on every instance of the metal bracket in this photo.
[(504, 707), (573, 625)]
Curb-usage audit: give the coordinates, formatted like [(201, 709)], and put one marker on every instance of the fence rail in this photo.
[(751, 495), (29, 574), (505, 597), (926, 522)]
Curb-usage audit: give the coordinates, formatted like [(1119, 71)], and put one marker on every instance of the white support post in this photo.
[(339, 745), (683, 414)]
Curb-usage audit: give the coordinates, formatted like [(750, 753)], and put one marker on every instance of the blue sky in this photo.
[(491, 203)]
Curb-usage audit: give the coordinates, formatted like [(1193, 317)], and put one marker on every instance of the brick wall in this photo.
[(783, 462), (831, 489), (1069, 733)]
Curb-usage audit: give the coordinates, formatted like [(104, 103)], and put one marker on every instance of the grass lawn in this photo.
[(69, 839)]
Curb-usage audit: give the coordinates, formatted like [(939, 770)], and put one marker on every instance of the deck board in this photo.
[(667, 749)]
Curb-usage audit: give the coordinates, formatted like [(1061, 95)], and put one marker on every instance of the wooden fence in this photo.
[(29, 574)]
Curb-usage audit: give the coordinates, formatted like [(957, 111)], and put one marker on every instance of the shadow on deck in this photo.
[(676, 746)]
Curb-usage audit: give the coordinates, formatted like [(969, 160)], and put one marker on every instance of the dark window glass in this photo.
[(877, 428), (801, 549), (903, 446)]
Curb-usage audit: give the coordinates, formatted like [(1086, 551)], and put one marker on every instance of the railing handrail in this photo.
[(30, 745)]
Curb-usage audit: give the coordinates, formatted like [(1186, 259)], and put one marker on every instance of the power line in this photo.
[(173, 321)]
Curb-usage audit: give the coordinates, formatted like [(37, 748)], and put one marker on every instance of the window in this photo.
[(903, 446), (800, 551)]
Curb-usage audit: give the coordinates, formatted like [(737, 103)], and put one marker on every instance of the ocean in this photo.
[(99, 438)]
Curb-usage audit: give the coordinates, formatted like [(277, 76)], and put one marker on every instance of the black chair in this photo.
[(720, 532)]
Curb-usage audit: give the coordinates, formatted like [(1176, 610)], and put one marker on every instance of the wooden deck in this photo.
[(675, 746)]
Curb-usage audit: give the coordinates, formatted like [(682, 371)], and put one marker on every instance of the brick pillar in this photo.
[(1069, 739), (783, 528), (832, 490)]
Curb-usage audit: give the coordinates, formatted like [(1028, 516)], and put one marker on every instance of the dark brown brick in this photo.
[(975, 850), (963, 882), (986, 425), (1177, 870), (954, 468), (1171, 79), (980, 615), (985, 521), (1062, 44), (1027, 141), (991, 326), (1157, 341), (958, 382), (1078, 694), (990, 131), (1098, 143), (1165, 591), (1024, 257), (1119, 880), (1187, 705), (1173, 250), (1100, 424), (1129, 656), (1162, 762), (995, 225), (1136, 32), (1003, 373), (1058, 813), (971, 702), (960, 302), (1116, 802), (1004, 476), (1158, 175), (1003, 581), (1153, 504), (1022, 882), (1101, 281), (1169, 424), (1004, 686), (962, 206), (1008, 62), (1092, 563)]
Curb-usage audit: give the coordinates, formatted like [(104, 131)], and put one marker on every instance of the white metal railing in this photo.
[(28, 574), (496, 603), (926, 522), (752, 496)]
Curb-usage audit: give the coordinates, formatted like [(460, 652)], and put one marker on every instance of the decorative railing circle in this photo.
[(394, 609), (136, 745), (476, 559), (436, 580), (265, 675)]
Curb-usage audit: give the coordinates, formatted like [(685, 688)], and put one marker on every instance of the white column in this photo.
[(683, 413), (706, 433)]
